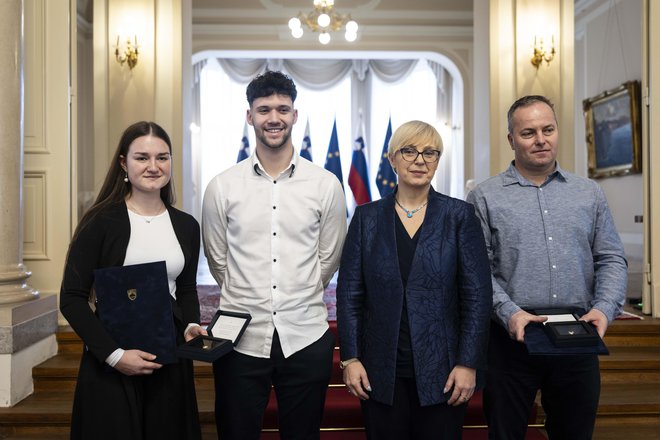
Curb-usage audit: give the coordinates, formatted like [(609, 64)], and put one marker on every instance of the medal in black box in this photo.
[(224, 332)]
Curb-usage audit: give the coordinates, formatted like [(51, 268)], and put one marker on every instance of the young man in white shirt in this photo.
[(273, 228)]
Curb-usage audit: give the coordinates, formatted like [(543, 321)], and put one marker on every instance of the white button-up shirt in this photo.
[(272, 245)]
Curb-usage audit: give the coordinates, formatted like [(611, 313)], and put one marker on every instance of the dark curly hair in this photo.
[(271, 83)]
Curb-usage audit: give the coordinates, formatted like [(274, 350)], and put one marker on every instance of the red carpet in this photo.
[(468, 434), (342, 419)]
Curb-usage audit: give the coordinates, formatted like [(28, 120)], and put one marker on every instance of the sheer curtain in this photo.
[(348, 89)]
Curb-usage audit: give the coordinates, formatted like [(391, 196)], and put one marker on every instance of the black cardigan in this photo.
[(103, 243)]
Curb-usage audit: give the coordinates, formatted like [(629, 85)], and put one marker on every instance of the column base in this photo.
[(27, 338), (13, 288), (16, 370)]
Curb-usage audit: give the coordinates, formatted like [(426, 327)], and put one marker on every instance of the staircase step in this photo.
[(68, 341), (631, 364), (627, 404), (630, 404), (629, 333)]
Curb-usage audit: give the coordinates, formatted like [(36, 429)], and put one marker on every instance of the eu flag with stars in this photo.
[(358, 177), (386, 179), (332, 160), (306, 150), (244, 152)]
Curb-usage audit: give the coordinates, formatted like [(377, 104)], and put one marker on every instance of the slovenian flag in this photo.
[(358, 177), (386, 179), (244, 152), (332, 160), (306, 150)]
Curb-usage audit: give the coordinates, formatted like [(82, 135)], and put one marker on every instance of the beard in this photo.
[(274, 143)]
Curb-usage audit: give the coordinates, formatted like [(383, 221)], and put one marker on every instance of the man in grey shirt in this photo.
[(552, 243)]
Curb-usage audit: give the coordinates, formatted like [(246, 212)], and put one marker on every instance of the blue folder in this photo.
[(134, 305)]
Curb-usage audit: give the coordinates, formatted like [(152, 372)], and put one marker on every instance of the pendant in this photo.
[(409, 214)]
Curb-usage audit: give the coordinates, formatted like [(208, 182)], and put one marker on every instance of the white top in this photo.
[(272, 246), (153, 239)]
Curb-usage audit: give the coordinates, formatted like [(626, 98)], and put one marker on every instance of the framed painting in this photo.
[(613, 131)]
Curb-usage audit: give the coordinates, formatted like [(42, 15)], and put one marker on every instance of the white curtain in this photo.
[(445, 173)]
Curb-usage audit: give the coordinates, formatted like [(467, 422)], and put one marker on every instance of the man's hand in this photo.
[(194, 331), (519, 321), (137, 362), (597, 318), (356, 380)]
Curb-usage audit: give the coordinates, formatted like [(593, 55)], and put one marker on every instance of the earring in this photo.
[(126, 178)]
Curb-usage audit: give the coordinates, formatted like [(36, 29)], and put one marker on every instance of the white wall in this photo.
[(608, 52)]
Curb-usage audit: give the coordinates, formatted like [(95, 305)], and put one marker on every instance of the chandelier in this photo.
[(324, 19)]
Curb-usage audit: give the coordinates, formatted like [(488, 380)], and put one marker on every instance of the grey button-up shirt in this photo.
[(553, 245)]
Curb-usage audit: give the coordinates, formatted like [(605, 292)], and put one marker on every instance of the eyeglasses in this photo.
[(410, 154)]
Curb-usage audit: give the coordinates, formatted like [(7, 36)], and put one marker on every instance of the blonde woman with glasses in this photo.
[(413, 300)]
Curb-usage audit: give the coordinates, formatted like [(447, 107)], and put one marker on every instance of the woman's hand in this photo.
[(356, 380), (194, 331), (463, 381), (137, 362)]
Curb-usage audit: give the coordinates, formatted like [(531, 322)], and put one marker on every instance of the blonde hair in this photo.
[(416, 134)]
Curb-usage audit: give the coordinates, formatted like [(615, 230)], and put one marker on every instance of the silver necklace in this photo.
[(409, 213), (147, 219)]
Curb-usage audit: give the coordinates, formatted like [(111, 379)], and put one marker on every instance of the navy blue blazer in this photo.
[(448, 296)]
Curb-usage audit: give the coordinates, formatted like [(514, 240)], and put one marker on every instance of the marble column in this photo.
[(28, 321), (13, 274)]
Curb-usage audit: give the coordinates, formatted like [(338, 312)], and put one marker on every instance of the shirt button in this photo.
[(554, 266), (550, 238), (274, 313), (545, 211), (274, 233), (274, 182), (274, 260), (554, 296), (274, 207), (274, 287)]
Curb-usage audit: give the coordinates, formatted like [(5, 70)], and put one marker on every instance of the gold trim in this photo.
[(631, 90)]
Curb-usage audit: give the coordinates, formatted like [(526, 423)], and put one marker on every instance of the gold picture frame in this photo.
[(613, 131)]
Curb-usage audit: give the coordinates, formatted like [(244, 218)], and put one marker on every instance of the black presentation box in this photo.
[(224, 332), (563, 336), (572, 334)]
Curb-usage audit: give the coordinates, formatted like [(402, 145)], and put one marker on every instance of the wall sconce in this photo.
[(128, 53), (540, 54)]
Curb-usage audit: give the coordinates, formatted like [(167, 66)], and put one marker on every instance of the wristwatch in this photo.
[(344, 364)]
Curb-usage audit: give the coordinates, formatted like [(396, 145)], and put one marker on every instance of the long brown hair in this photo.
[(114, 189)]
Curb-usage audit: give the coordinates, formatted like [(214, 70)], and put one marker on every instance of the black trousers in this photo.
[(405, 419), (570, 388), (243, 384)]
